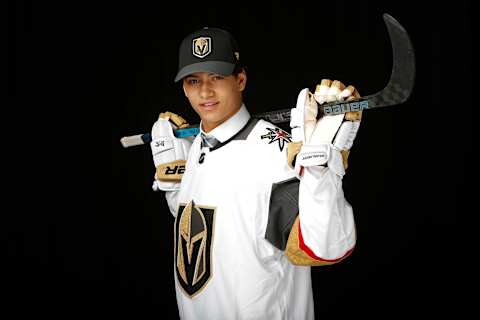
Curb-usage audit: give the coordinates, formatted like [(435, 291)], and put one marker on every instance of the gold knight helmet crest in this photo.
[(194, 235), (202, 46)]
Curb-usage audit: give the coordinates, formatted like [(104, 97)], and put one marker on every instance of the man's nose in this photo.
[(206, 90)]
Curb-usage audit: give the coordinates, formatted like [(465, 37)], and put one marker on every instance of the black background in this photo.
[(87, 235)]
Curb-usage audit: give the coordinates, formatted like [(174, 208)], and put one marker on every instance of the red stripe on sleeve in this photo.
[(309, 251)]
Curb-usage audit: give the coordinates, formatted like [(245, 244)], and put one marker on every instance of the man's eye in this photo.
[(217, 77), (192, 81)]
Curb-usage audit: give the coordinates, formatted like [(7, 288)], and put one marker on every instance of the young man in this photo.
[(251, 214)]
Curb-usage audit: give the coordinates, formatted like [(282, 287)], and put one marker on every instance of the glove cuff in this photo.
[(313, 155), (165, 186), (300, 156)]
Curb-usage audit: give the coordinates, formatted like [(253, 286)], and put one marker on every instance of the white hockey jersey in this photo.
[(233, 214)]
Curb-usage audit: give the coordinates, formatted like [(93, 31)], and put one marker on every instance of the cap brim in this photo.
[(219, 67)]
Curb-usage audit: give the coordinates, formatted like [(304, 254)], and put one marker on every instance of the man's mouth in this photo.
[(208, 105)]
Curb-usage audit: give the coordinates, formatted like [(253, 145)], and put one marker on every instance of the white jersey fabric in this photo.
[(229, 258)]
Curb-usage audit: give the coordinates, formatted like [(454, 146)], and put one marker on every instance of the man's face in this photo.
[(214, 97)]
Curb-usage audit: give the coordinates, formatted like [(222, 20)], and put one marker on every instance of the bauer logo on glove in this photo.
[(172, 171)]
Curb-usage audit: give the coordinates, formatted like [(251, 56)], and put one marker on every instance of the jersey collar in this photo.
[(230, 127)]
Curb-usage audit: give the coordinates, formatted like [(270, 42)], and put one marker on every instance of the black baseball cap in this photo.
[(207, 50)]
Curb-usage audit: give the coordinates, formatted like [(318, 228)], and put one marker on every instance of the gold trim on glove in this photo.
[(353, 115), (171, 171), (345, 154), (293, 148), (174, 118)]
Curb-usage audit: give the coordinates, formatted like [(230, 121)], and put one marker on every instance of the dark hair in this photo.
[(239, 67)]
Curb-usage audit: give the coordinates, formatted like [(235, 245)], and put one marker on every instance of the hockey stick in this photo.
[(397, 91)]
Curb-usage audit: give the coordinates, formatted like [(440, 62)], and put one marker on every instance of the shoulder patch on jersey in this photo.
[(275, 134), (193, 240)]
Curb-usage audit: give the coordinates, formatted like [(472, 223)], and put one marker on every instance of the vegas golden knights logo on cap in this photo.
[(193, 240), (201, 46)]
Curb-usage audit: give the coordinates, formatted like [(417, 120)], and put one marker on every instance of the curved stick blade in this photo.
[(402, 78)]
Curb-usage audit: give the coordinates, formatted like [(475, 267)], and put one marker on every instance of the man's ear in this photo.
[(242, 80)]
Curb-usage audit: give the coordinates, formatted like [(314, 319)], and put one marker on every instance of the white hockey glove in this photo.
[(169, 152), (325, 142)]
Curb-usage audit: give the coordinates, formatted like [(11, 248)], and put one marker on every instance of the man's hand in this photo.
[(169, 152), (328, 140)]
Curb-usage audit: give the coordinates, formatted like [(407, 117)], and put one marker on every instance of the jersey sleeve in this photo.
[(308, 219), (323, 233)]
